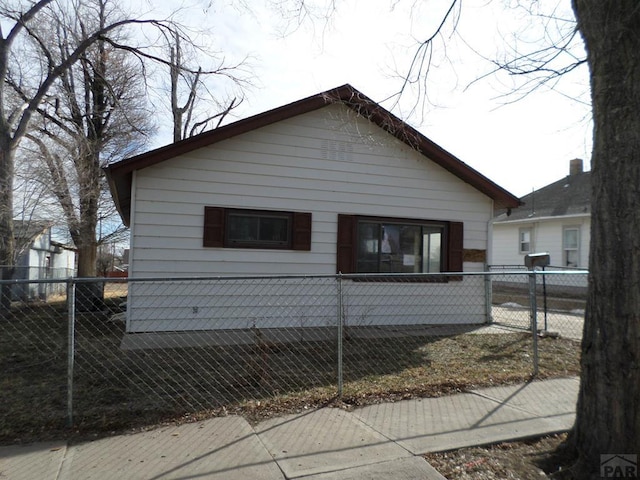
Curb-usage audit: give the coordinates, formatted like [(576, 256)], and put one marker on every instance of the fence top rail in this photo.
[(524, 267), (351, 276), (19, 281), (536, 271)]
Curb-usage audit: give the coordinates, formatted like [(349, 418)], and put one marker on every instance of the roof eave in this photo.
[(231, 130), (410, 136), (120, 187), (541, 218)]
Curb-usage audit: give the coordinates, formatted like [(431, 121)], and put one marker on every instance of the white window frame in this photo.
[(566, 248), (520, 242)]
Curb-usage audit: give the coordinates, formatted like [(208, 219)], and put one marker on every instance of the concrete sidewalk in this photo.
[(376, 442)]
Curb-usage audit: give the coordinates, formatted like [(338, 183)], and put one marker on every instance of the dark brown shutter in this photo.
[(455, 247), (345, 262), (301, 231), (213, 227)]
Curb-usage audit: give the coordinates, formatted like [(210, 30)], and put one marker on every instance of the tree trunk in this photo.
[(7, 237), (87, 256), (89, 295), (608, 411)]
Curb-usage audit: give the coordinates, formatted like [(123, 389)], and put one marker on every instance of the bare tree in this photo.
[(32, 200), (187, 87), (28, 69), (94, 113), (14, 119)]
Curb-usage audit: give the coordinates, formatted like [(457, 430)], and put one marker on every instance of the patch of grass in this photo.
[(463, 362), (116, 390)]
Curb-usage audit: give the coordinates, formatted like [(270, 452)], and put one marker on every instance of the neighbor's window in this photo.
[(524, 241), (571, 250), (244, 228)]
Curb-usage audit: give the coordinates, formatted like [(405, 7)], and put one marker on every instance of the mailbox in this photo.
[(534, 260)]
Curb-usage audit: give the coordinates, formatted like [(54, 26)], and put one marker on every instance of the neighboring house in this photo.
[(555, 219), (331, 183), (40, 257)]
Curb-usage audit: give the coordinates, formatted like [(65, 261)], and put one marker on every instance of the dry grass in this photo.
[(116, 390), (524, 460)]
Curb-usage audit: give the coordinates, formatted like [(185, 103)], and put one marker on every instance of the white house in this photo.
[(555, 219), (331, 183), (39, 257)]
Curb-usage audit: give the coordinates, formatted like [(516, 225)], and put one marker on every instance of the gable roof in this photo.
[(570, 195), (119, 175), (28, 230)]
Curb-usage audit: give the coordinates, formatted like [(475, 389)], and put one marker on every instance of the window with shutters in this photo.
[(245, 228), (389, 245), (271, 229)]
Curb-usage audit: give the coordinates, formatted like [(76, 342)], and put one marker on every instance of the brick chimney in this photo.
[(575, 166)]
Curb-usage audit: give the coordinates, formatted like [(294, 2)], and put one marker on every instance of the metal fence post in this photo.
[(71, 346), (340, 335), (544, 298), (534, 318), (487, 294)]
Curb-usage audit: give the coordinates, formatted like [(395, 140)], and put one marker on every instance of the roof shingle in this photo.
[(570, 195)]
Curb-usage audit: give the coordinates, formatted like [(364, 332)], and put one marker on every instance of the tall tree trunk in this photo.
[(7, 240), (86, 242), (87, 256), (608, 411)]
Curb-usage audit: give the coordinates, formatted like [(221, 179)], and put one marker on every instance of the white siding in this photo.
[(191, 304), (325, 162), (64, 259), (318, 162), (546, 236)]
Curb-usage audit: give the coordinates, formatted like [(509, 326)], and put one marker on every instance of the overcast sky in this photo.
[(521, 145)]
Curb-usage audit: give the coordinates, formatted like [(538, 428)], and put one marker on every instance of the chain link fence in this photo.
[(28, 291), (558, 295), (114, 353)]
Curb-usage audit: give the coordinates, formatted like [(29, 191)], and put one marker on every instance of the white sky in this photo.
[(521, 146)]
